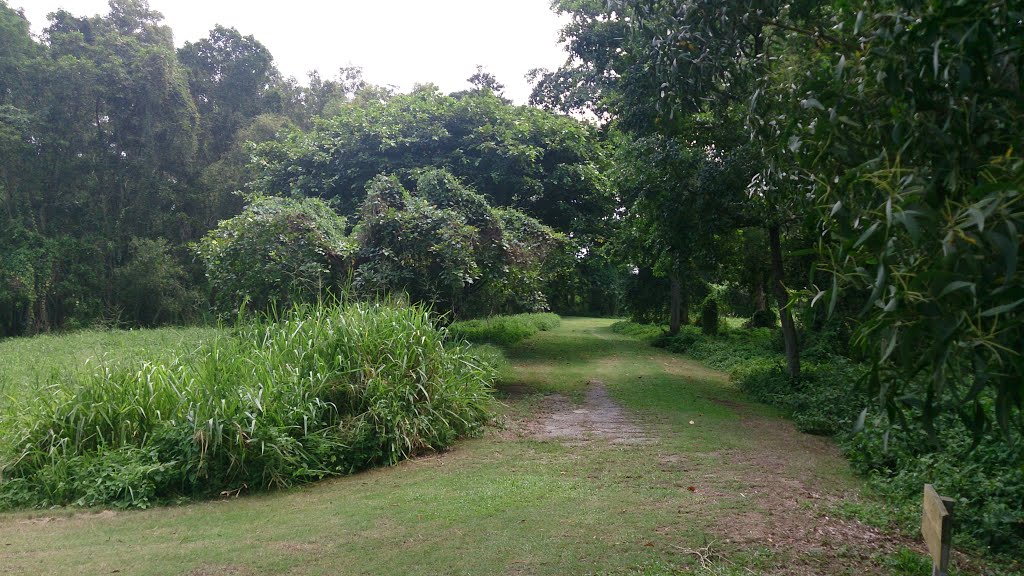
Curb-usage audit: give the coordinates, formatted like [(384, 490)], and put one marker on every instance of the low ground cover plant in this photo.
[(504, 329), (324, 390), (984, 474)]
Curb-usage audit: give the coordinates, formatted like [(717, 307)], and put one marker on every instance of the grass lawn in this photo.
[(28, 362), (716, 485)]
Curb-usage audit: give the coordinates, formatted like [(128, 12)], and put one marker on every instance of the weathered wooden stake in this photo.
[(937, 528)]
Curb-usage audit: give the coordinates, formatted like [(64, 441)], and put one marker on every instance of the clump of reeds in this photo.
[(323, 390)]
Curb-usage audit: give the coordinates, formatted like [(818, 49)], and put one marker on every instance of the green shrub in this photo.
[(444, 244), (737, 349), (766, 318), (986, 480), (278, 252), (326, 390), (709, 316), (151, 287), (496, 330), (637, 330), (544, 321), (680, 342), (824, 401), (504, 330), (409, 245), (492, 355)]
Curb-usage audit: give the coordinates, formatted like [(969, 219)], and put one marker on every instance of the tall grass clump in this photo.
[(504, 329), (324, 390)]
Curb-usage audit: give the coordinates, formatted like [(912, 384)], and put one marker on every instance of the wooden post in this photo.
[(937, 529)]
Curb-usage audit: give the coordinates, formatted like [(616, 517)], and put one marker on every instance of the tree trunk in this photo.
[(41, 321), (684, 308), (760, 302), (788, 328), (675, 304)]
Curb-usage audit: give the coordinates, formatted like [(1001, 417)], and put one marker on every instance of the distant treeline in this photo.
[(118, 152)]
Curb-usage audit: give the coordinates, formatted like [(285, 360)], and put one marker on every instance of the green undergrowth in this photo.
[(986, 478), (495, 357), (504, 330), (641, 331), (325, 390)]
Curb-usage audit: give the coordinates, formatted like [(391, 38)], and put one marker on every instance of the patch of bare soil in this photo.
[(220, 570), (598, 418), (512, 390), (776, 496), (778, 492), (77, 517)]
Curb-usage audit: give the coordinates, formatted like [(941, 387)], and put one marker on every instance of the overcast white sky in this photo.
[(398, 42)]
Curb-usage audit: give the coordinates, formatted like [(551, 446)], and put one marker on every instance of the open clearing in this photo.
[(611, 457)]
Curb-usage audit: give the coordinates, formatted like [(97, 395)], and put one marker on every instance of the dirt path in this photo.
[(776, 489), (599, 417)]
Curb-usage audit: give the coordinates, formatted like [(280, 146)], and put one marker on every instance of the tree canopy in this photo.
[(120, 152), (547, 165)]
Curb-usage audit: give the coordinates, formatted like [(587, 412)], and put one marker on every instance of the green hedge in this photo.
[(504, 329), (637, 330)]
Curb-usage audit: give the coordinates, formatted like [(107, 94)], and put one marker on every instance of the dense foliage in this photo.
[(448, 246), (539, 171), (98, 136), (918, 173), (861, 163), (899, 123), (118, 151), (546, 165), (323, 391), (276, 253)]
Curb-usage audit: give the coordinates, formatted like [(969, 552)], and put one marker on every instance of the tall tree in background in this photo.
[(231, 78), (107, 141), (696, 149), (324, 97), (671, 224), (241, 98), (122, 105), (712, 60), (482, 81), (25, 256), (900, 123), (546, 165)]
